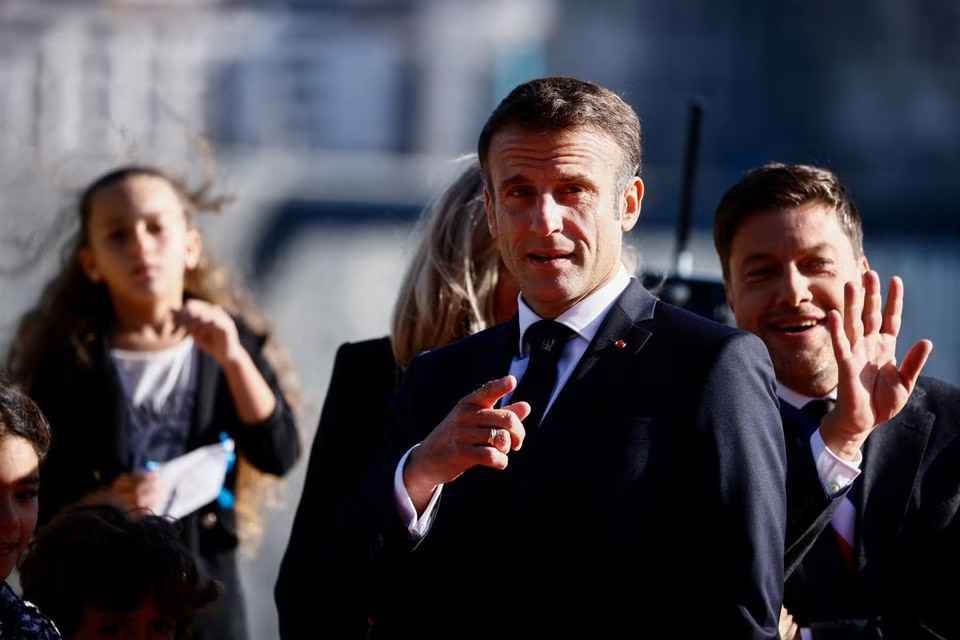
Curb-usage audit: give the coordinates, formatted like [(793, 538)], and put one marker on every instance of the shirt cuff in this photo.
[(835, 473), (416, 526), (806, 633)]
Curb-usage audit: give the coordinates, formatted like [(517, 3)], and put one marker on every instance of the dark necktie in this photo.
[(546, 339), (815, 410)]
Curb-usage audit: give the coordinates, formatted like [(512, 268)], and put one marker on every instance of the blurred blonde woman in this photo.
[(454, 286)]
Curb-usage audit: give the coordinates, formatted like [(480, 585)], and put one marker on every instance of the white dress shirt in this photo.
[(584, 318)]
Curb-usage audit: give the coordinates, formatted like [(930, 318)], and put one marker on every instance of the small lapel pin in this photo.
[(620, 344)]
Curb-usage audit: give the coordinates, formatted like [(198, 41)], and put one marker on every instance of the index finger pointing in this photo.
[(488, 395)]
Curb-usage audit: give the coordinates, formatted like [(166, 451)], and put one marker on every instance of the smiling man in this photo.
[(874, 510), (635, 472)]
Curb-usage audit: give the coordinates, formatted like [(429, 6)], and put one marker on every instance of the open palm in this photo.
[(871, 388)]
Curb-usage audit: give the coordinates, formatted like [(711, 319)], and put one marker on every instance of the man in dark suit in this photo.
[(633, 483), (873, 487)]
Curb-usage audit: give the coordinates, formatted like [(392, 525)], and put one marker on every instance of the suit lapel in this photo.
[(620, 335), (505, 342), (618, 340), (486, 358), (891, 461)]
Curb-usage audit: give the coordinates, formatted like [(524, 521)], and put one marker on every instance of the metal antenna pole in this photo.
[(683, 258)]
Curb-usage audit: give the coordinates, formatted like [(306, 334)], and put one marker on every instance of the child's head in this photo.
[(137, 237), (135, 241), (24, 441), (95, 570)]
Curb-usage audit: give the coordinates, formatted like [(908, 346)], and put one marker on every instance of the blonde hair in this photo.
[(75, 309), (448, 288)]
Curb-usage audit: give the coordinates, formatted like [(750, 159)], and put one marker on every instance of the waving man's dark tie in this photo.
[(817, 408)]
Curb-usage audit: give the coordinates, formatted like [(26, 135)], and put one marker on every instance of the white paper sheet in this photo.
[(193, 479)]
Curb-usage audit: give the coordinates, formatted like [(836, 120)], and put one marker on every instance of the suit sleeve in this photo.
[(351, 428), (367, 547), (273, 445), (739, 415)]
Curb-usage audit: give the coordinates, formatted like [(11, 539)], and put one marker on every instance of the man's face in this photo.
[(554, 207), (787, 270)]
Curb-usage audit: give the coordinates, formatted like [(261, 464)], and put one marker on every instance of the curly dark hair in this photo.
[(20, 416), (104, 557)]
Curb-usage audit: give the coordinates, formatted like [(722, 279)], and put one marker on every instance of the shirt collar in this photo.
[(798, 399), (585, 316)]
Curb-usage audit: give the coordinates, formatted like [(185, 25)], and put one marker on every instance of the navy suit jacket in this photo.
[(649, 501), (907, 552)]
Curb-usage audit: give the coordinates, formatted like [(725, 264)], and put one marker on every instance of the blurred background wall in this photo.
[(333, 121)]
